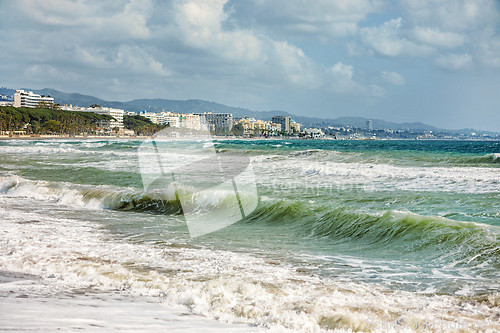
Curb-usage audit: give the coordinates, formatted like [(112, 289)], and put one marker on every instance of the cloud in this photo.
[(487, 49), (120, 20), (393, 78), (198, 25), (454, 61), (385, 40), (247, 52), (321, 18), (437, 38), (451, 14)]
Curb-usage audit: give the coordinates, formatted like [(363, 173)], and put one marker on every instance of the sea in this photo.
[(302, 236)]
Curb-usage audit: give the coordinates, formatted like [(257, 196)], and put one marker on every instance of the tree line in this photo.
[(49, 120), (141, 125)]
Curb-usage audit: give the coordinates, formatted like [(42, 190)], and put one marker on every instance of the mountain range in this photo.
[(200, 106)]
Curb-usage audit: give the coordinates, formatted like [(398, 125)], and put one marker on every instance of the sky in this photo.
[(433, 61)]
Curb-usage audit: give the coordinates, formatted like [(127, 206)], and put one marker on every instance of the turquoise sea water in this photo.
[(346, 235)]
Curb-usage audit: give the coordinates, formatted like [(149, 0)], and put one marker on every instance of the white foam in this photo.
[(18, 187), (297, 171), (230, 287)]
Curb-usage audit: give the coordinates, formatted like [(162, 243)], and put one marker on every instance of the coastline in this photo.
[(107, 137)]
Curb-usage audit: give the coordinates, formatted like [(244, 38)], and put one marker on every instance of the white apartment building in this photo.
[(153, 116), (168, 118), (117, 114), (177, 120), (314, 132), (191, 121), (173, 121), (216, 121), (27, 99), (270, 126)]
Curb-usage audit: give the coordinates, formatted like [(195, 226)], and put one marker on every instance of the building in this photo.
[(172, 121), (152, 116), (6, 100), (314, 132), (219, 122), (369, 125), (295, 127), (284, 122), (27, 99), (117, 114), (191, 121)]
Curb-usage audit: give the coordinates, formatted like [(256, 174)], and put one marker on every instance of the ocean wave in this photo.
[(162, 201), (227, 286), (397, 233), (493, 158)]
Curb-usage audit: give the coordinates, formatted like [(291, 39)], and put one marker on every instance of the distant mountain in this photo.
[(199, 106), (78, 99), (7, 91)]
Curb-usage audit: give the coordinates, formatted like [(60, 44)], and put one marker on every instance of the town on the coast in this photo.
[(27, 114)]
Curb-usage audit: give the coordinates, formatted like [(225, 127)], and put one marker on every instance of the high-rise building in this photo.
[(369, 125), (284, 122), (27, 99)]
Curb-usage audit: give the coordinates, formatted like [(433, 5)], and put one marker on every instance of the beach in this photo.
[(329, 235)]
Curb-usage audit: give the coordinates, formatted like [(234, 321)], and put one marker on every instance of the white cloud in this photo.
[(393, 78), (137, 60), (121, 20), (273, 61), (333, 18), (385, 40), (452, 14), (198, 25), (454, 61), (487, 49), (340, 78), (437, 38)]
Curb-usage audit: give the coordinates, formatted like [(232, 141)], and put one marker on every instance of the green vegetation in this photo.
[(141, 125), (237, 130), (49, 121)]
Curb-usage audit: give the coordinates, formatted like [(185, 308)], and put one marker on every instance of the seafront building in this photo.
[(191, 121), (284, 121), (295, 127), (117, 114), (314, 133), (28, 99), (220, 122), (177, 120), (254, 126), (152, 116), (369, 125)]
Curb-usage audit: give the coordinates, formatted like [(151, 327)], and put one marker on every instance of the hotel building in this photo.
[(27, 99), (117, 114)]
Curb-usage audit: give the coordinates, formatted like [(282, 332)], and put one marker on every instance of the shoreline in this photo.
[(95, 137), (53, 309)]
